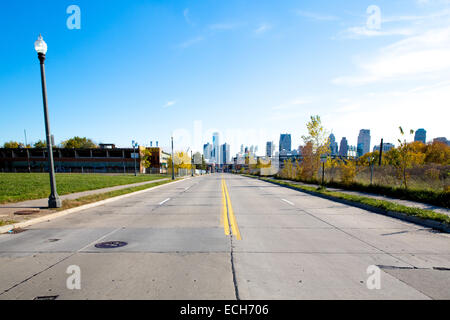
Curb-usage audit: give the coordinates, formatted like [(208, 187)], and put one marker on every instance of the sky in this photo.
[(250, 70)]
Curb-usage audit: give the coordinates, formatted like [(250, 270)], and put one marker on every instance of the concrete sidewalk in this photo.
[(7, 210), (407, 203)]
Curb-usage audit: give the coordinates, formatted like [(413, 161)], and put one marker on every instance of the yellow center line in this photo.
[(224, 218), (233, 222)]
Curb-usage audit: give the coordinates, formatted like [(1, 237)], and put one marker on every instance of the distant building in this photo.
[(421, 135), (343, 148), (363, 145), (97, 160), (225, 153), (285, 142), (386, 147), (269, 149), (352, 151), (442, 139), (207, 151), (333, 145), (216, 148)]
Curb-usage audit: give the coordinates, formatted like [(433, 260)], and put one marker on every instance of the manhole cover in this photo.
[(110, 244), (46, 298), (25, 212)]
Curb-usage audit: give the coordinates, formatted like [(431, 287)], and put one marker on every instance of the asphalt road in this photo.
[(281, 244)]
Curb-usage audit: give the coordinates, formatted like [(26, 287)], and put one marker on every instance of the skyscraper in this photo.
[(207, 150), (333, 145), (269, 149), (442, 139), (386, 147), (226, 156), (421, 135), (363, 146), (343, 148), (216, 148), (285, 142)]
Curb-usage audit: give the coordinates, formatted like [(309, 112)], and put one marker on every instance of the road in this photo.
[(281, 244)]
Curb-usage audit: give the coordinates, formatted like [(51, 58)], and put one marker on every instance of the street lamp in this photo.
[(135, 144), (53, 200), (192, 165), (173, 169)]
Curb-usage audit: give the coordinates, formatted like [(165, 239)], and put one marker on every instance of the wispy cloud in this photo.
[(292, 104), (170, 103), (186, 16), (390, 25), (191, 42), (317, 16), (223, 26), (420, 55), (359, 32), (264, 27)]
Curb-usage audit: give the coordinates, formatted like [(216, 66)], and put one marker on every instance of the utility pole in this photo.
[(28, 151), (381, 153), (323, 173), (134, 156), (192, 165), (173, 169)]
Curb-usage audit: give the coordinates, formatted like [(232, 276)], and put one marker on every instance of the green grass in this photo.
[(15, 187), (380, 204), (433, 197), (6, 222)]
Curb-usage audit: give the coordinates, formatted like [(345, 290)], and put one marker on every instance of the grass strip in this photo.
[(6, 222), (380, 204), (15, 187), (433, 197), (72, 203)]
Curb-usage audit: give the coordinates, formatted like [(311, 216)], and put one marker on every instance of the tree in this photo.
[(317, 144), (348, 171), (146, 158), (40, 144), (79, 143), (437, 152), (404, 157), (309, 165), (13, 145)]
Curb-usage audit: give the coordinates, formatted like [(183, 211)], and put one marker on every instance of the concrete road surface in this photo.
[(183, 243)]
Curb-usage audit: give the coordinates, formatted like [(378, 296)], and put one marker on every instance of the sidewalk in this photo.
[(40, 206), (407, 203)]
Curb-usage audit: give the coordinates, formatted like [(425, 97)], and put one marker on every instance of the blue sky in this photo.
[(143, 70)]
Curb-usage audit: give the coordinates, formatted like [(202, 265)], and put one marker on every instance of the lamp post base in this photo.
[(54, 202)]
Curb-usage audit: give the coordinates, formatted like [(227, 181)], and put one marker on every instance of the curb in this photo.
[(59, 214), (393, 214)]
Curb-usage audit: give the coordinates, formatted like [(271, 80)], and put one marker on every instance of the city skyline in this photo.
[(166, 67)]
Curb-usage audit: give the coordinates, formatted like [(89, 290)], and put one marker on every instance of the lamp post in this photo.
[(173, 169), (135, 144), (53, 200), (192, 165)]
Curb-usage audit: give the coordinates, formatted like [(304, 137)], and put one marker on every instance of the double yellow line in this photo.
[(229, 220)]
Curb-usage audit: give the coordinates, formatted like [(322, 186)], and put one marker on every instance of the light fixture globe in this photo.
[(40, 46)]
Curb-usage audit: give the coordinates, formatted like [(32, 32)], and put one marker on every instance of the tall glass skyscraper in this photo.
[(216, 148), (421, 135), (269, 149), (226, 156), (363, 146), (343, 149), (285, 142), (207, 151), (333, 145)]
